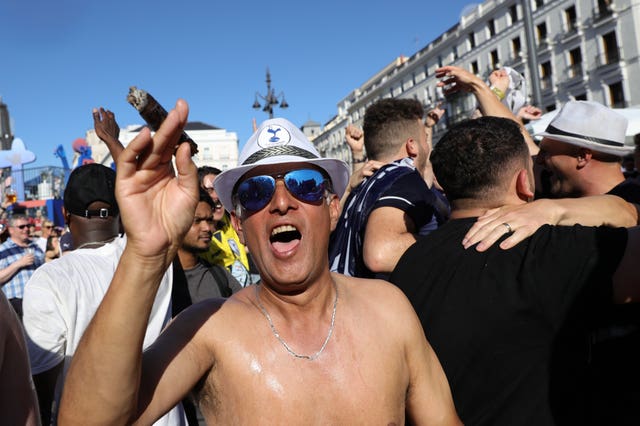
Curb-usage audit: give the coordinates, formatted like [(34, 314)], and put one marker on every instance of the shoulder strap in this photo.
[(221, 280)]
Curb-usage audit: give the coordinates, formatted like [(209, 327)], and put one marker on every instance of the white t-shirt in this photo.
[(61, 298)]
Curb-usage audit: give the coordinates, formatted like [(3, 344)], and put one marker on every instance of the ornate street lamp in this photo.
[(270, 99)]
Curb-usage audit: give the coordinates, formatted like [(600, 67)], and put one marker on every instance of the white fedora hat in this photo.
[(278, 141), (589, 125)]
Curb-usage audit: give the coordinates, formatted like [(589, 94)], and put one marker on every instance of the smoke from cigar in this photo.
[(154, 114)]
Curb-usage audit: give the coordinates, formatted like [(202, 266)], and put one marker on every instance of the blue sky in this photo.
[(62, 58)]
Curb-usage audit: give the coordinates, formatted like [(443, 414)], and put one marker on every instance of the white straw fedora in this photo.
[(590, 125), (278, 141)]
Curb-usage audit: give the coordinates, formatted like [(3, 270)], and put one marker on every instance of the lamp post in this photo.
[(270, 99), (534, 73)]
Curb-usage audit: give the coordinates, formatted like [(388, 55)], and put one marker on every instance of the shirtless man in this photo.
[(305, 345)]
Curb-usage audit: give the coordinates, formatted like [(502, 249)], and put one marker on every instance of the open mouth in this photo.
[(284, 238)]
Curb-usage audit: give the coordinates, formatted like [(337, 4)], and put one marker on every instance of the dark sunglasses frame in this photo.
[(26, 225), (256, 192)]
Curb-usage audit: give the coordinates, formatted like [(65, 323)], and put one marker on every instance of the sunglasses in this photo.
[(26, 225), (306, 185)]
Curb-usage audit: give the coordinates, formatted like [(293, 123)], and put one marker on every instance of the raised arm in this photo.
[(157, 208), (107, 129), (525, 219), (456, 79)]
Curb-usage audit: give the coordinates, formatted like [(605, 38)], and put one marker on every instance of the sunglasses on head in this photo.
[(306, 185)]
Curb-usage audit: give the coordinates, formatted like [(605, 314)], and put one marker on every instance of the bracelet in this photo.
[(359, 160), (499, 93), (433, 116)]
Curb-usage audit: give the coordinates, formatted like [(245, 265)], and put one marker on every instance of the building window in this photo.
[(495, 61), (603, 10), (439, 61), (206, 155), (570, 18), (513, 13), (455, 52), (545, 75), (616, 95), (539, 4), (581, 97), (610, 45), (575, 62), (516, 47), (550, 107), (472, 41), (474, 67), (491, 25), (426, 71), (541, 29)]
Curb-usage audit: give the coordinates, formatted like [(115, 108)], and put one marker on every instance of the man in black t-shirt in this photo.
[(493, 316), (581, 150)]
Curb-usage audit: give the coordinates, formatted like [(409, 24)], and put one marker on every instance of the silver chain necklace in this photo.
[(281, 340)]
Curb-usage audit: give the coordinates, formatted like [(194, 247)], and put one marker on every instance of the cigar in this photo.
[(154, 114)]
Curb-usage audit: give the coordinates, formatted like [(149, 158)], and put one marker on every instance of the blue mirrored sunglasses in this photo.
[(305, 184)]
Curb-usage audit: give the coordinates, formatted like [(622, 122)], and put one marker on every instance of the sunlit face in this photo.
[(560, 160), (47, 228), (198, 237), (288, 238), (207, 185), (19, 231)]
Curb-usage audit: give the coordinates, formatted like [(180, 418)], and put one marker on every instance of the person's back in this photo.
[(62, 296), (494, 317)]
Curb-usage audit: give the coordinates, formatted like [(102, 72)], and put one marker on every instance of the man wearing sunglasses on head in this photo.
[(19, 257), (303, 346)]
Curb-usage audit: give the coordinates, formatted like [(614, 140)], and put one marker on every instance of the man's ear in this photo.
[(583, 157), (523, 186), (411, 145), (334, 209), (236, 222), (66, 215)]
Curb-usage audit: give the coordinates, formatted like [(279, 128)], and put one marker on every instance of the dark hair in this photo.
[(50, 242), (472, 159), (207, 170), (203, 197), (388, 123)]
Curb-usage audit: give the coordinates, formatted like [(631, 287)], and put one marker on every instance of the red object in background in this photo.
[(78, 144)]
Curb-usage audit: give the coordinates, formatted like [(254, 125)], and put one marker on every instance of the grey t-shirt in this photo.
[(203, 285)]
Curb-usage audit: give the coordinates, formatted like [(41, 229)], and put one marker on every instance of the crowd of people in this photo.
[(486, 280)]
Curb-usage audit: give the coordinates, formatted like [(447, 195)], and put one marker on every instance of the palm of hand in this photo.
[(156, 210)]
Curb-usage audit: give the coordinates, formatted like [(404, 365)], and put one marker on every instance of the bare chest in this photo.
[(353, 381)]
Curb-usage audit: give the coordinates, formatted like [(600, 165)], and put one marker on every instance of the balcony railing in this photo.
[(544, 44), (575, 70), (608, 58), (602, 12), (41, 183)]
